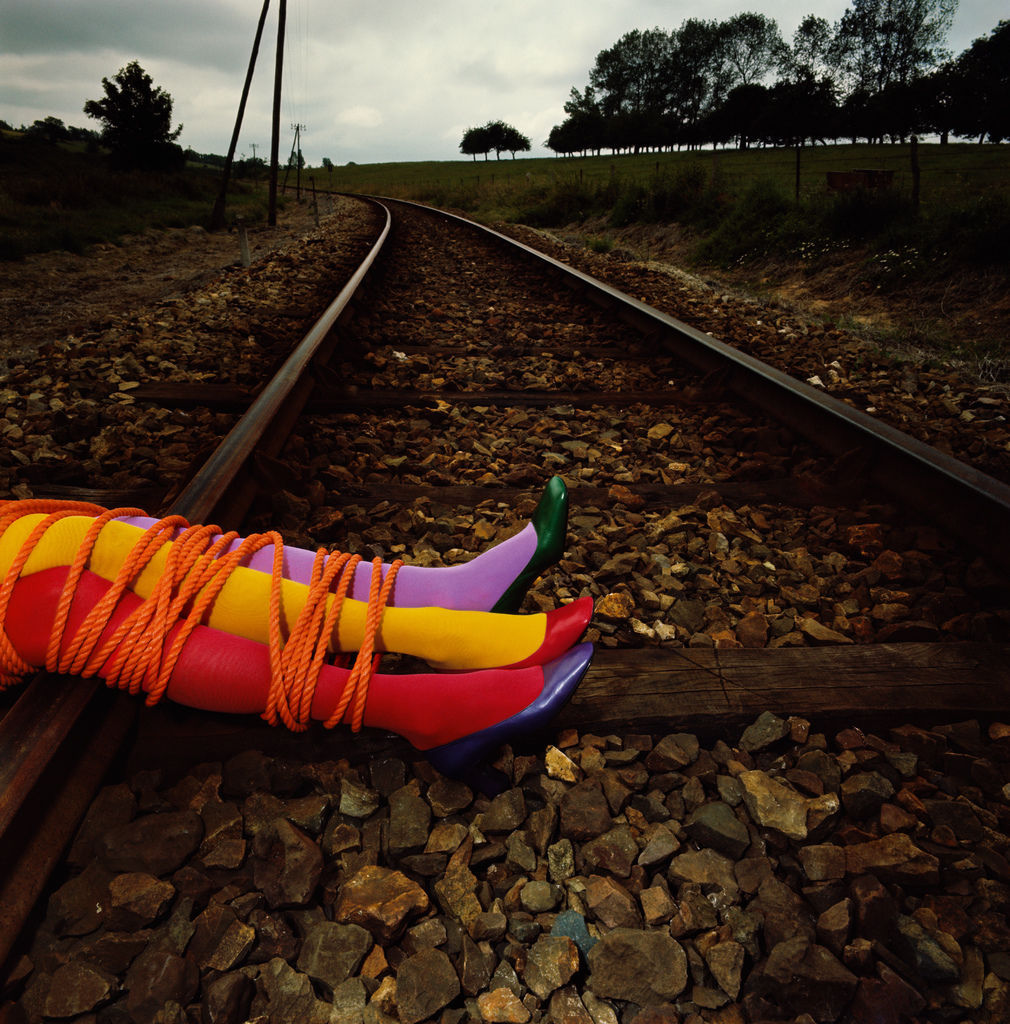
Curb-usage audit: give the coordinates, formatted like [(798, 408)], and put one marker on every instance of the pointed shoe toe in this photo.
[(464, 758)]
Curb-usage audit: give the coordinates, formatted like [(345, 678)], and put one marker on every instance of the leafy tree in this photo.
[(979, 81), (863, 116), (515, 141), (475, 140), (811, 55), (565, 138), (632, 76), (496, 135), (254, 167), (700, 78), (740, 116), (496, 139), (87, 135), (502, 137), (752, 46), (587, 125), (798, 111), (937, 99), (210, 159), (708, 81), (882, 42), (52, 129), (136, 121)]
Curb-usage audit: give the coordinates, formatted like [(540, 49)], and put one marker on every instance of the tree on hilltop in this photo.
[(811, 56), (752, 47), (981, 80), (891, 42), (496, 135), (475, 140), (50, 129), (504, 138), (136, 121)]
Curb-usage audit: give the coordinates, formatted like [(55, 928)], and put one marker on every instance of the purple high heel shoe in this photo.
[(466, 757)]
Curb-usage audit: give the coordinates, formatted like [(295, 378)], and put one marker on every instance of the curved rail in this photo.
[(48, 714), (966, 502)]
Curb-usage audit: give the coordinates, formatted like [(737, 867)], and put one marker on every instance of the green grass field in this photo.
[(65, 197), (744, 208), (948, 174)]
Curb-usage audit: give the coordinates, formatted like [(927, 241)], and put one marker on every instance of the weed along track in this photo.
[(780, 791)]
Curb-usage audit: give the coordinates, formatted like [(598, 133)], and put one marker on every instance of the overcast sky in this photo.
[(383, 80)]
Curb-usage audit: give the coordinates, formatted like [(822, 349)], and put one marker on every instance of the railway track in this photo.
[(793, 558)]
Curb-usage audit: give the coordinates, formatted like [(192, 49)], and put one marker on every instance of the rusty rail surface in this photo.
[(41, 729)]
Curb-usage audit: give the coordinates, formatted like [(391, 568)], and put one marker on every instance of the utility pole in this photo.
[(297, 150), (253, 146), (217, 216), (276, 134)]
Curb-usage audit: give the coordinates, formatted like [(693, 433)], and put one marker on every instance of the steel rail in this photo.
[(286, 394), (36, 728), (965, 501)]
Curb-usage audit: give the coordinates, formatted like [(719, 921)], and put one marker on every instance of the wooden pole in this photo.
[(297, 151), (915, 172), (217, 217), (275, 137)]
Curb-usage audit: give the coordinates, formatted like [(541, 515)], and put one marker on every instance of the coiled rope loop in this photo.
[(142, 651)]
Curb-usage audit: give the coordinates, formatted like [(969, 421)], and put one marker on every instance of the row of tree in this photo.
[(497, 136), (52, 129), (880, 72)]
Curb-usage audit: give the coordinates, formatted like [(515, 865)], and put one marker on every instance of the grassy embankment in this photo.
[(63, 197), (739, 205)]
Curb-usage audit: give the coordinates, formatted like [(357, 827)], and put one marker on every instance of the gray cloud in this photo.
[(186, 30), (376, 81)]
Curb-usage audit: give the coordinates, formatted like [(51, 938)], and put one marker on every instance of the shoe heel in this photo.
[(550, 520)]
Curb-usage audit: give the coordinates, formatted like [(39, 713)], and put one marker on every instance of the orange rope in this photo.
[(196, 569)]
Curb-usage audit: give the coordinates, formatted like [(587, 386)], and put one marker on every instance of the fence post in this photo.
[(915, 172), (243, 242)]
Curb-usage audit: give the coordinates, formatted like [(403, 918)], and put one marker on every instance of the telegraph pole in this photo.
[(276, 134), (297, 150), (217, 216)]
